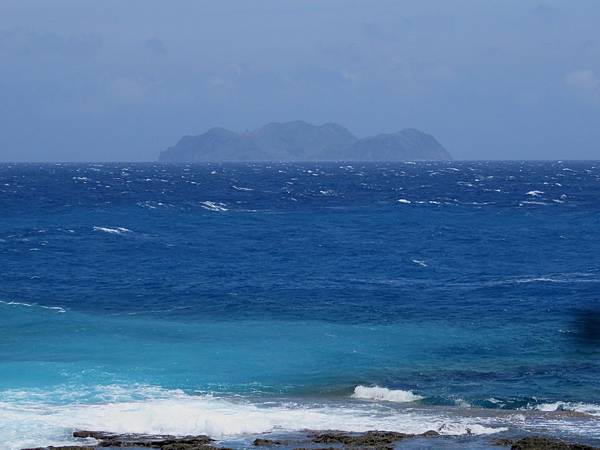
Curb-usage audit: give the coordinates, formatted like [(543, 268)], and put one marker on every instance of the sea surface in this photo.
[(239, 299)]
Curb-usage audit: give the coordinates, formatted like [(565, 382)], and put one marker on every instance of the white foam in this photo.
[(213, 206), (405, 201), (538, 280), (532, 203), (388, 395), (238, 188), (573, 278), (29, 421), (115, 230), (535, 193), (327, 192), (34, 305), (586, 408)]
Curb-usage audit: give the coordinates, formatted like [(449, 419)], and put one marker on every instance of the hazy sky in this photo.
[(122, 80)]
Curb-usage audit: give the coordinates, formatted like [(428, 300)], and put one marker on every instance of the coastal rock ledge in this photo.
[(314, 440), (541, 443), (373, 440), (163, 442)]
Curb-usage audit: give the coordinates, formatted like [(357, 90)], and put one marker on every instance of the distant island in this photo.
[(301, 141)]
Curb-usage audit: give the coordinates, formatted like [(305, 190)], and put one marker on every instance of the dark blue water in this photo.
[(257, 297)]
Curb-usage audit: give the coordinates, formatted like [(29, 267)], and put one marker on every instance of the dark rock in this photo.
[(100, 435), (180, 446), (430, 433), (369, 440), (67, 447), (544, 443), (316, 448), (164, 442), (267, 442), (89, 434)]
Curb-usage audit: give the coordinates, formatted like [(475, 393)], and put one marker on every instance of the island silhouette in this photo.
[(302, 141)]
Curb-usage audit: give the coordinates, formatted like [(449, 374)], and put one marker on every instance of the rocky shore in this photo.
[(313, 440)]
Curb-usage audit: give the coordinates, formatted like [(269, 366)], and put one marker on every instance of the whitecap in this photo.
[(419, 262), (585, 408), (238, 188), (115, 230), (58, 309), (405, 201), (533, 203), (382, 393), (538, 280), (213, 206), (576, 277), (535, 193)]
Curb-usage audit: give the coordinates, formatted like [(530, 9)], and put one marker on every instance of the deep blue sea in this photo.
[(237, 299)]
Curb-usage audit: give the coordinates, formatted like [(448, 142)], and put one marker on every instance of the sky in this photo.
[(113, 80)]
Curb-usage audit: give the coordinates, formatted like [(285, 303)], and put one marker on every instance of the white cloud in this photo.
[(585, 84)]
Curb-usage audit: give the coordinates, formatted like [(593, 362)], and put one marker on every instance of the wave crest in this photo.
[(57, 309), (154, 410), (115, 230), (385, 394), (584, 408)]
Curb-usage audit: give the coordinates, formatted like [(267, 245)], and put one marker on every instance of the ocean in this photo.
[(239, 299)]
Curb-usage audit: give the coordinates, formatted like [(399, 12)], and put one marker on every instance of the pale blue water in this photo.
[(130, 291)]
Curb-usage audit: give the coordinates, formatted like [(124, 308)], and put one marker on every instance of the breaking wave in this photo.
[(32, 421), (385, 394), (584, 408)]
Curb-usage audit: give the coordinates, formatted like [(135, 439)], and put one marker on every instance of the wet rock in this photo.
[(91, 434), (259, 442), (317, 448), (332, 440), (163, 442), (68, 447), (152, 441), (380, 440), (430, 433), (542, 443), (180, 446)]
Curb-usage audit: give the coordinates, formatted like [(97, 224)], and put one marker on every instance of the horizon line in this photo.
[(298, 161)]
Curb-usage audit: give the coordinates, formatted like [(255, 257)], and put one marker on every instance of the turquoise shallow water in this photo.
[(260, 298)]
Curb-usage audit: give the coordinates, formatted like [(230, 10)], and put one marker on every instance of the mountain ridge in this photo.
[(301, 141)]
